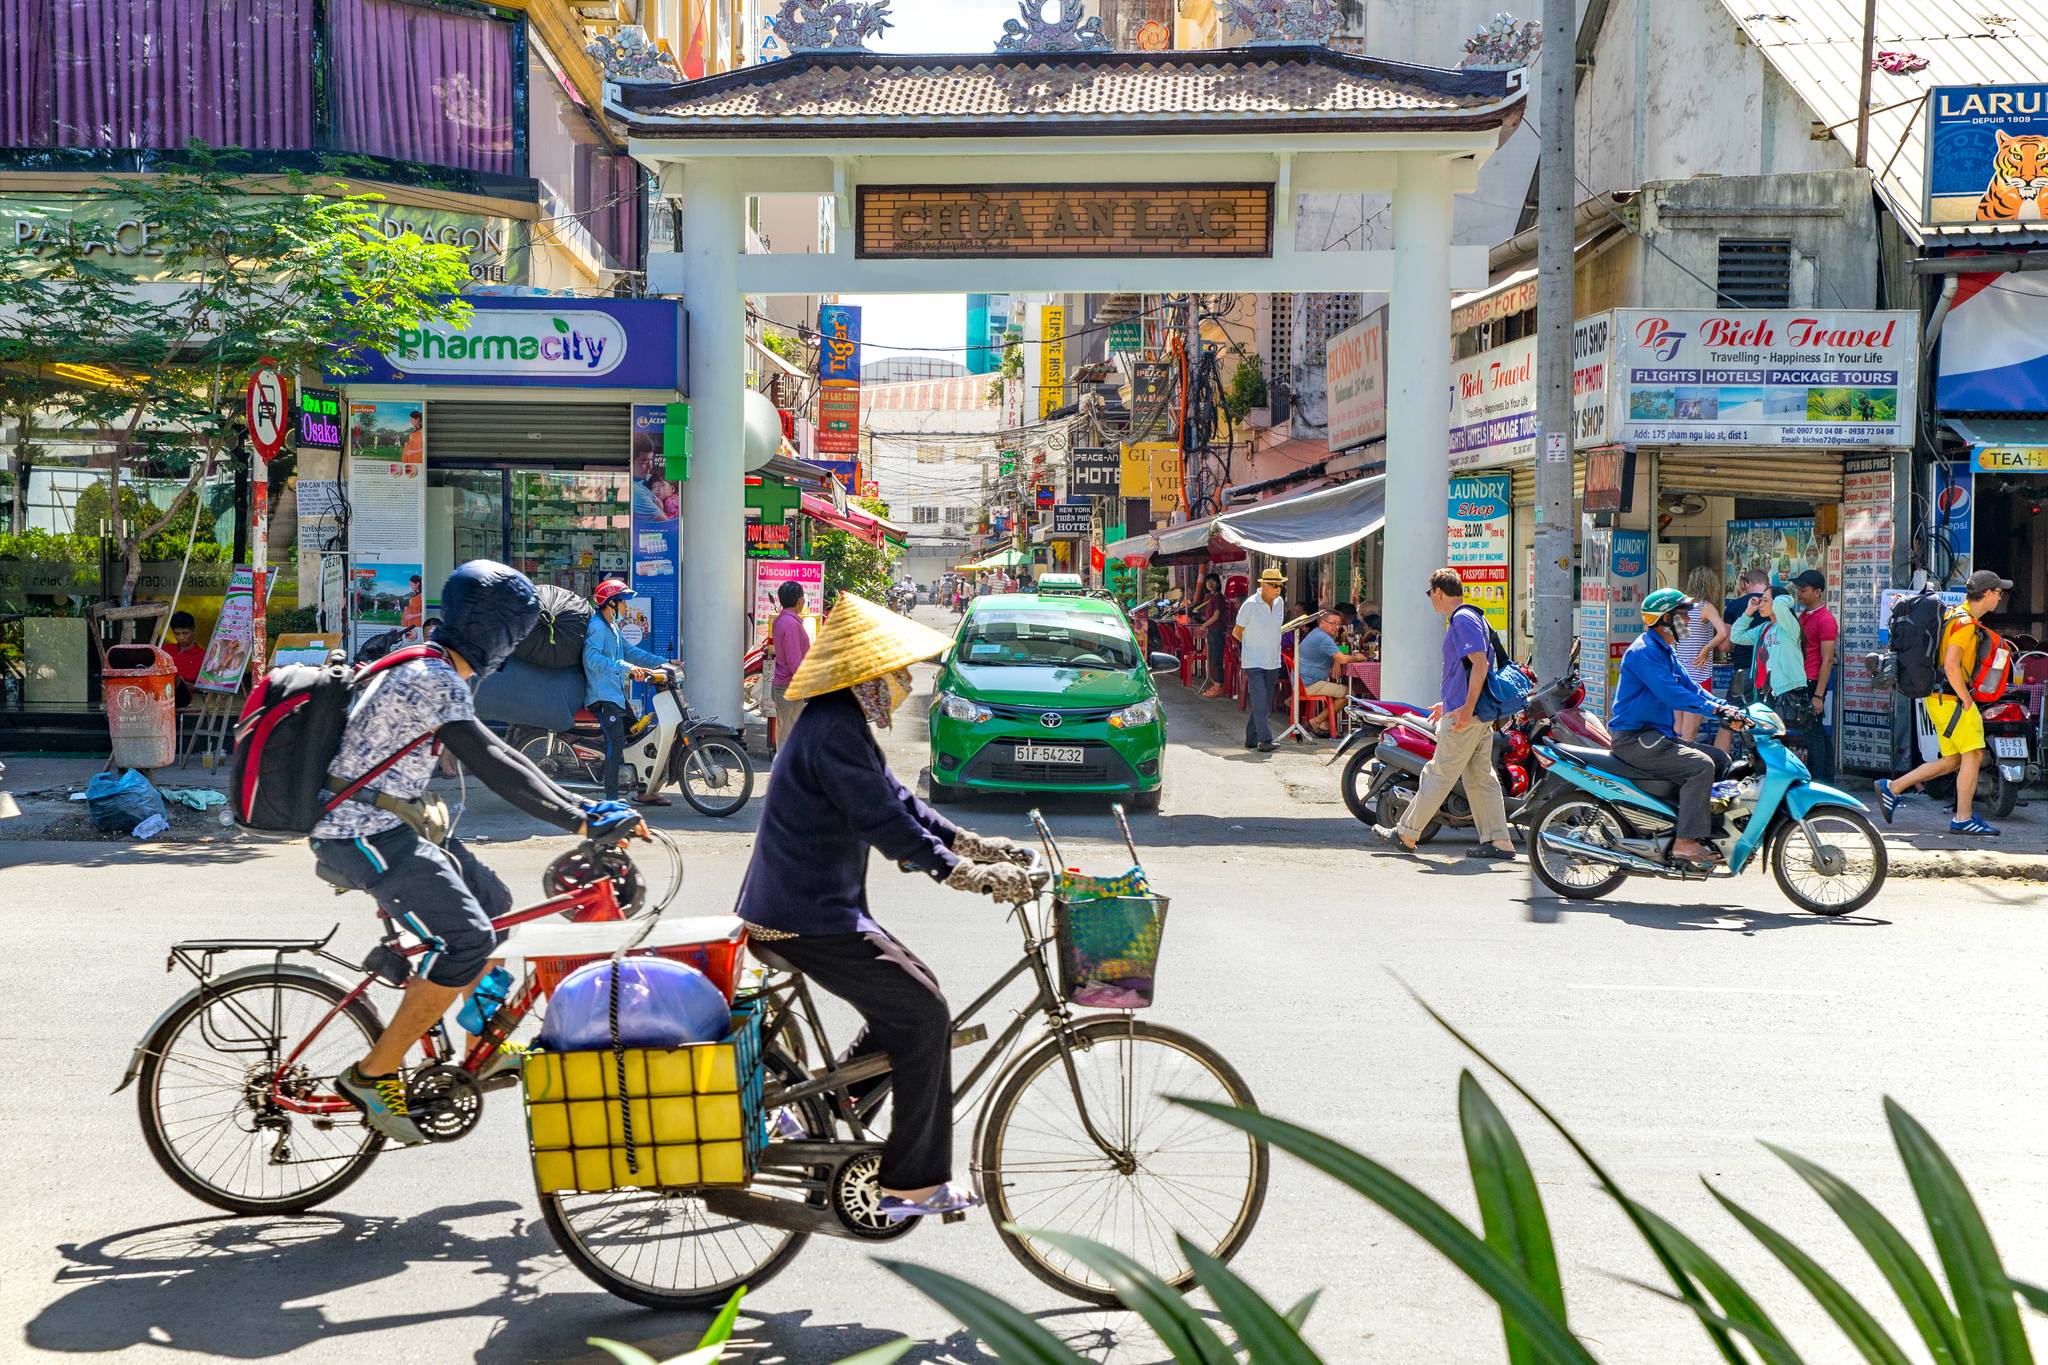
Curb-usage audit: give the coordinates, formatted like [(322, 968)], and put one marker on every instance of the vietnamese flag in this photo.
[(1095, 559)]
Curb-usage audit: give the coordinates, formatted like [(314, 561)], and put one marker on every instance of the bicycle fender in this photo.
[(263, 970), (1803, 800)]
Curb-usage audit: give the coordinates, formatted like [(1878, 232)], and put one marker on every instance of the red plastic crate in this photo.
[(718, 961)]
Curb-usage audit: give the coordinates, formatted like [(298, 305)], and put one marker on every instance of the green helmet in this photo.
[(1662, 603)]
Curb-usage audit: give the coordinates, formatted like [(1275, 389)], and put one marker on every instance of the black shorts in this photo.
[(443, 894)]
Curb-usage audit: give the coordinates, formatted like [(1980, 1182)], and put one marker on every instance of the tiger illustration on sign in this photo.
[(2019, 173)]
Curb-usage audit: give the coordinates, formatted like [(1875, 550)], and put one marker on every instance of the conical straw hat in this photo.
[(861, 641)]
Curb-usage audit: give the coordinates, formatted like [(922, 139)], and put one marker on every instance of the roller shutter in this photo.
[(539, 433), (1525, 482), (1794, 475)]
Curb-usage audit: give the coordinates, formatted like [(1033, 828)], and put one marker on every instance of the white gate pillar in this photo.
[(714, 497), (1418, 426)]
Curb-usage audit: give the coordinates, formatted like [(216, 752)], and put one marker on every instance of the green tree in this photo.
[(853, 564), (306, 279), (1247, 387)]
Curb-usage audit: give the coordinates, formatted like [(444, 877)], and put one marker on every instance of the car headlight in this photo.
[(961, 709), (1136, 714)]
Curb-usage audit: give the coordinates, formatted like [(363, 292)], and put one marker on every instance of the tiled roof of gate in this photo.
[(1302, 88)]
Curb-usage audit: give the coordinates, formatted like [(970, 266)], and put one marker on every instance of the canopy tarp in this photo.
[(855, 520), (1310, 525), (1002, 559)]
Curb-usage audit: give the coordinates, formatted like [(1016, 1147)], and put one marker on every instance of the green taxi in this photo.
[(1048, 691)]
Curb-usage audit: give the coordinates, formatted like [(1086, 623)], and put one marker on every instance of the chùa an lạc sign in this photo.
[(1070, 222)]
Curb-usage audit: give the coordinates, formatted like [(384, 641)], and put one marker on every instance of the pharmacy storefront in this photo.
[(533, 436), (1735, 440)]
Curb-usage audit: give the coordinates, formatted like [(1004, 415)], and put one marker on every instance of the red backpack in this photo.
[(288, 734)]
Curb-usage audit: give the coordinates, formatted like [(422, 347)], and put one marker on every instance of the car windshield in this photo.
[(1048, 635)]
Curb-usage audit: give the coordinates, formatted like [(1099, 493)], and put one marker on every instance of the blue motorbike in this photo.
[(1594, 822)]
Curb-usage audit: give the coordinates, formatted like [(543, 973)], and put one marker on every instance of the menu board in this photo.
[(771, 574), (234, 636), (1866, 724)]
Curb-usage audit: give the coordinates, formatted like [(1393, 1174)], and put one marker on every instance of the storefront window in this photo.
[(570, 529), (102, 74), (420, 84)]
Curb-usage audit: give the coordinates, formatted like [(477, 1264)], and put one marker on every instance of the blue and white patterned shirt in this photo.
[(397, 706)]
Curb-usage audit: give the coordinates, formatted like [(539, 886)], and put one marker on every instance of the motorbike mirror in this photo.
[(1162, 662)]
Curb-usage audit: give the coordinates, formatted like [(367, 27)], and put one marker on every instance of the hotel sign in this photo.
[(1065, 221)]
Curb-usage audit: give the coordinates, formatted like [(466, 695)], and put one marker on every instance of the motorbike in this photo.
[(670, 743), (2009, 731), (1595, 822), (1381, 778)]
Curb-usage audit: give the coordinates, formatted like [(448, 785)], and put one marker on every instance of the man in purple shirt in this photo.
[(790, 642), (1464, 744)]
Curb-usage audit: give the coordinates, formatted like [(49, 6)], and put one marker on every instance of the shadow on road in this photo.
[(1710, 918), (256, 1288)]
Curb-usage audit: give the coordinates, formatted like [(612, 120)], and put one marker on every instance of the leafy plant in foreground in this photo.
[(1974, 1320)]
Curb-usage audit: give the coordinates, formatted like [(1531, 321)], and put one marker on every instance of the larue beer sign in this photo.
[(1066, 221)]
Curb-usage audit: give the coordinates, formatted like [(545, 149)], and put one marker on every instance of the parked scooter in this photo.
[(1597, 822), (671, 743)]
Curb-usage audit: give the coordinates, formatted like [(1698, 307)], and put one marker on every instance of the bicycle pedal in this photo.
[(959, 1216)]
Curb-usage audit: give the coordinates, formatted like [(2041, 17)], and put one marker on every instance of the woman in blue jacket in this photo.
[(608, 662)]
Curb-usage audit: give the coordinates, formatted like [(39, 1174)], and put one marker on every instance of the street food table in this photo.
[(1365, 677)]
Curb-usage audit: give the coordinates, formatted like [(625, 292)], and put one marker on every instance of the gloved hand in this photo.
[(990, 848), (609, 821), (1005, 882)]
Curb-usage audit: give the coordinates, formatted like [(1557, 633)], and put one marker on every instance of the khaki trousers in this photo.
[(1461, 756)]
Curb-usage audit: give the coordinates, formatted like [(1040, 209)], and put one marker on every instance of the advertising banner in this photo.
[(1126, 338), (1994, 350), (769, 540), (1072, 518), (1150, 381), (1493, 406), (1165, 488), (838, 343), (387, 516), (1782, 547), (1867, 529), (545, 342), (1479, 509), (1052, 358), (656, 559), (1592, 346), (839, 420), (1985, 146), (1765, 377), (1954, 496), (770, 575), (319, 420), (234, 636), (1357, 383), (1135, 477), (1093, 472)]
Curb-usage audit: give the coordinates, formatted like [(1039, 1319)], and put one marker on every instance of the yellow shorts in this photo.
[(1969, 728)]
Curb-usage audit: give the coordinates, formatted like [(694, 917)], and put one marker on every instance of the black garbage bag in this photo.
[(523, 693), (557, 642)]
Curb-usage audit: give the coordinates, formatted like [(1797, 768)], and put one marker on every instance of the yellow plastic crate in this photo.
[(696, 1114)]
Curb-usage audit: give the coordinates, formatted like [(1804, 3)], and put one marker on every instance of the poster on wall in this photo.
[(387, 509), (655, 560), (1954, 494), (1983, 145), (1764, 377), (771, 574), (1478, 541), (1866, 714), (234, 636), (1493, 406), (1781, 547)]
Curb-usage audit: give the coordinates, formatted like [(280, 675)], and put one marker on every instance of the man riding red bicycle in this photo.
[(391, 838)]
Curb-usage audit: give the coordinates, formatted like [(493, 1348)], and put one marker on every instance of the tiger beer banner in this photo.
[(1987, 154)]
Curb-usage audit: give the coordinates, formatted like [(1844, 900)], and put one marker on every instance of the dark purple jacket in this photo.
[(830, 799)]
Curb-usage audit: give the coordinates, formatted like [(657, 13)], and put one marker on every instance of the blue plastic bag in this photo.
[(118, 802), (661, 1004)]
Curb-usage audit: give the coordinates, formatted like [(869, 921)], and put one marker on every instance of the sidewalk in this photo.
[(1918, 843)]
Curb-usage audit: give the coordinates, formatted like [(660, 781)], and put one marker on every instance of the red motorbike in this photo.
[(1380, 780)]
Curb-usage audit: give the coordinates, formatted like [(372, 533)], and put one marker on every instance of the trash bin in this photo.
[(140, 683)]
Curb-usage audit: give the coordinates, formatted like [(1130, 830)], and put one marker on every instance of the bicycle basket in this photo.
[(1108, 932)]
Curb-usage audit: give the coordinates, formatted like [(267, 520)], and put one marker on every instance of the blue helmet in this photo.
[(487, 608)]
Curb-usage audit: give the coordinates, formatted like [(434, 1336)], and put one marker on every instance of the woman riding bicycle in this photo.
[(391, 840), (805, 893)]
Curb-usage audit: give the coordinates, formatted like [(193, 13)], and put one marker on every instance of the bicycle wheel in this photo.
[(1177, 1171), (204, 1093), (715, 775), (664, 1249), (557, 758)]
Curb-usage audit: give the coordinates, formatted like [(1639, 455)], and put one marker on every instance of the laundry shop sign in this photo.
[(544, 343)]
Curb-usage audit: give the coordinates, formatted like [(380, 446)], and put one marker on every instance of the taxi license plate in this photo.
[(1049, 753), (2009, 746)]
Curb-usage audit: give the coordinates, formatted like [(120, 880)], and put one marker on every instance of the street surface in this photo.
[(1671, 1027)]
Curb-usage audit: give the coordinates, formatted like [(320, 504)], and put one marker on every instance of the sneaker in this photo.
[(509, 1058), (943, 1201), (1976, 824), (383, 1104), (1267, 746), (1887, 800)]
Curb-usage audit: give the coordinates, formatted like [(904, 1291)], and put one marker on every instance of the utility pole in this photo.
[(1863, 84), (1553, 623)]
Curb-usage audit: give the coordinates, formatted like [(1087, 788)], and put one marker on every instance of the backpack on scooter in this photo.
[(1508, 684), (288, 735), (1916, 628), (556, 640)]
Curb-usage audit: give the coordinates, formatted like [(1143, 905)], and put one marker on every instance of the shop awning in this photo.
[(1138, 548), (1001, 559), (2004, 444), (864, 524), (1310, 525)]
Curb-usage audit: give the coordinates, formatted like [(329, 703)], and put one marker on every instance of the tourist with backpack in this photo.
[(345, 755), (1948, 691)]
